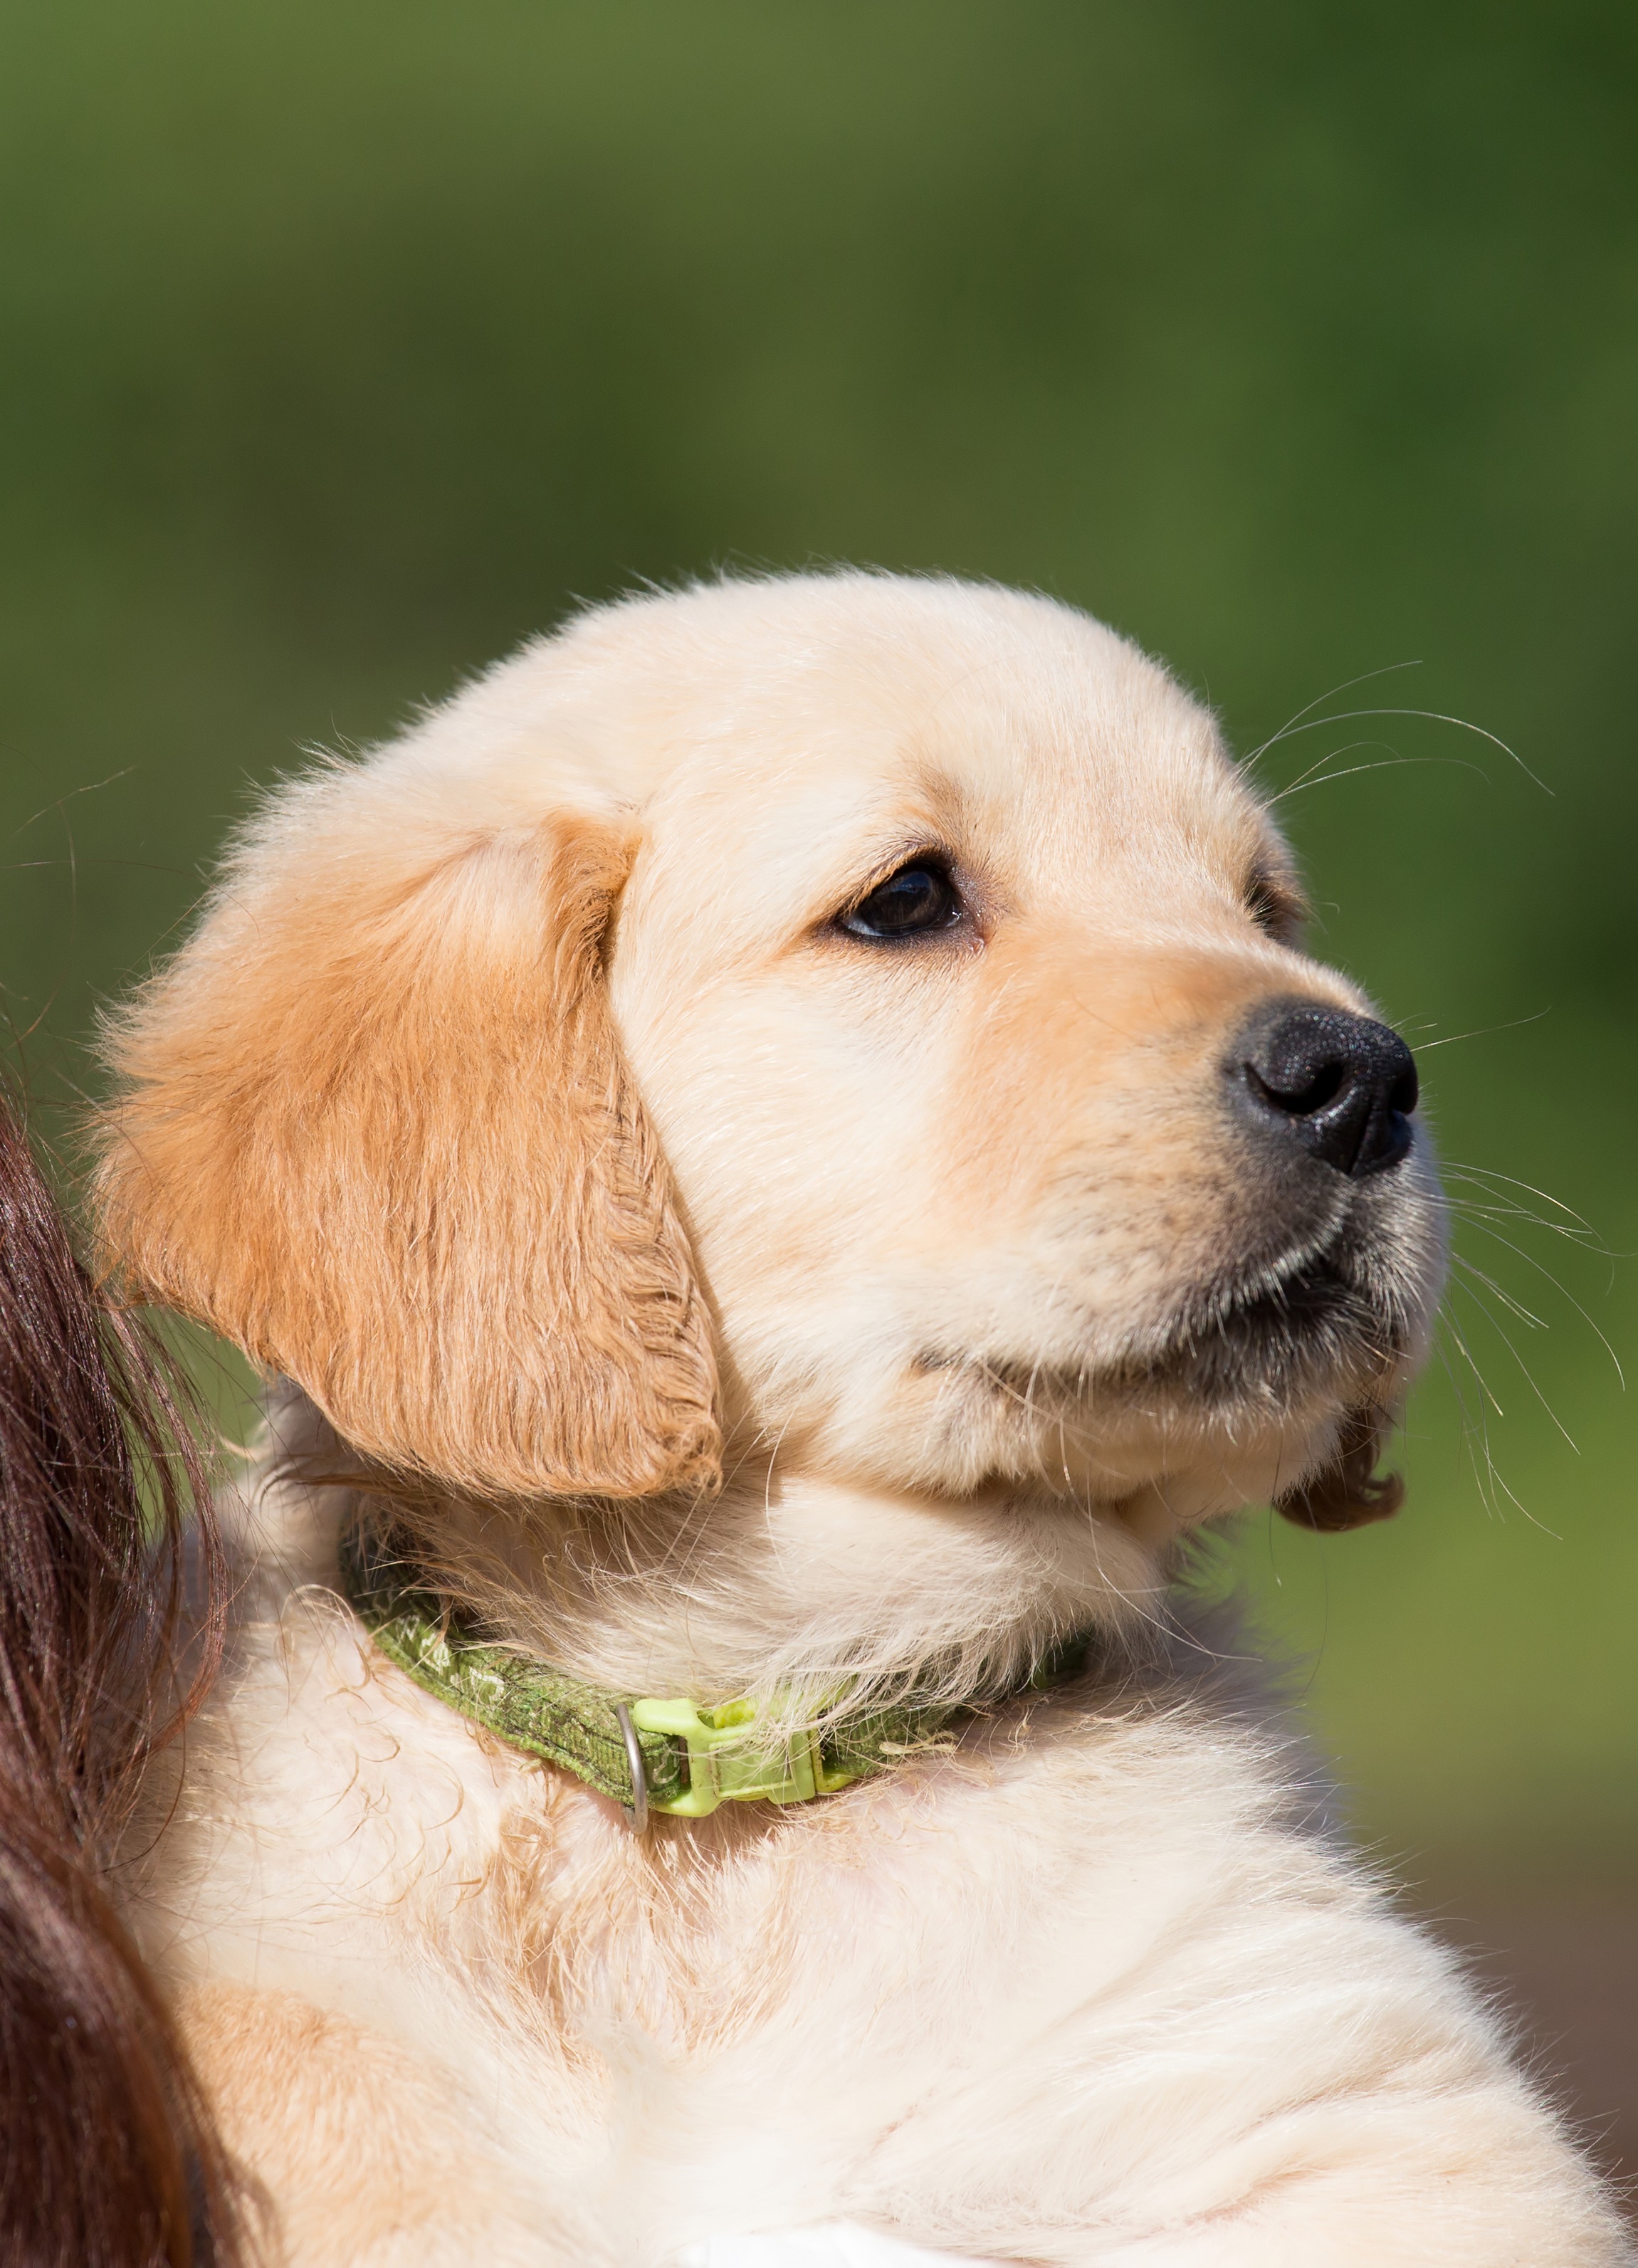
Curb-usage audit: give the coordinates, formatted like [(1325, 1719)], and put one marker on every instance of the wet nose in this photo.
[(1340, 1086)]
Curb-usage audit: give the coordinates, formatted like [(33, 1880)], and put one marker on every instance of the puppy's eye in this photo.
[(918, 898), (1275, 906)]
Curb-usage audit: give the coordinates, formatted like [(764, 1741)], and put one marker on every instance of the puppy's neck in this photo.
[(785, 1584)]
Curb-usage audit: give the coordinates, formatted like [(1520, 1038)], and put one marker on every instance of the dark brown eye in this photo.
[(918, 899)]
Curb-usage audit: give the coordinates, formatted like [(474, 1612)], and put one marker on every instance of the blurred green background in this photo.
[(345, 345)]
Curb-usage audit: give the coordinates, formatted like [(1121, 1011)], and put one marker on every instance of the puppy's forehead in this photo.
[(813, 722)]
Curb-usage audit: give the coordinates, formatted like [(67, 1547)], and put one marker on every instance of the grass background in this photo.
[(341, 345)]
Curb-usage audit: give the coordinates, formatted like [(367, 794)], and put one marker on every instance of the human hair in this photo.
[(107, 2158)]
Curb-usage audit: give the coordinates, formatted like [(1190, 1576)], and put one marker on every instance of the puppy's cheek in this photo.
[(945, 1378)]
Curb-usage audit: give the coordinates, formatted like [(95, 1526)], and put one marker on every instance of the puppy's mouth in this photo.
[(1327, 1325), (1328, 1320)]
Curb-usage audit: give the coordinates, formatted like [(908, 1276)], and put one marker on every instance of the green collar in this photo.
[(644, 1753)]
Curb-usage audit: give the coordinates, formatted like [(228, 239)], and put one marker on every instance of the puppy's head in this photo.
[(861, 1015)]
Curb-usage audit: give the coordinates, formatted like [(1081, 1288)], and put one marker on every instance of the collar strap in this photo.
[(646, 1753)]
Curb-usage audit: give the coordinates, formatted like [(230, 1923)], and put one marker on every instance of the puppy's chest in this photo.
[(760, 2007), (706, 1938), (757, 1999)]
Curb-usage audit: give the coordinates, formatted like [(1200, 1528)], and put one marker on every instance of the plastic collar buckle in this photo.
[(720, 1767)]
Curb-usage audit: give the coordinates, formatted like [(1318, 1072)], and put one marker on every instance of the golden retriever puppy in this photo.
[(787, 1152)]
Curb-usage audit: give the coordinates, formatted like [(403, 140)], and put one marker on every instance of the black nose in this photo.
[(1342, 1086)]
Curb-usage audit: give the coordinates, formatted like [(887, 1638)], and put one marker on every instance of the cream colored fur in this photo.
[(728, 1305)]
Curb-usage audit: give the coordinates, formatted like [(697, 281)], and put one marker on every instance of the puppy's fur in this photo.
[(726, 1304)]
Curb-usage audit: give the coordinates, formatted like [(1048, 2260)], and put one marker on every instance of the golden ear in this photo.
[(1349, 1492), (376, 1129)]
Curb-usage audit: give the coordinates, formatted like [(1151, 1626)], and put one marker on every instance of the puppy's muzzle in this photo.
[(1338, 1087)]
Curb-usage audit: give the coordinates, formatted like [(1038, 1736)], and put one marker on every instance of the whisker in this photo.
[(1352, 771), (1483, 1033), (1490, 1481), (1506, 1297), (1563, 1290), (1452, 1170), (1489, 1174), (1429, 716), (1584, 1239), (1472, 1426), (1479, 1380), (1320, 701), (1482, 1217), (1529, 1375), (1319, 761)]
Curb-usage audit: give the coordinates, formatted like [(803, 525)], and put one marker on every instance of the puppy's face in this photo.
[(957, 976), (854, 1015)]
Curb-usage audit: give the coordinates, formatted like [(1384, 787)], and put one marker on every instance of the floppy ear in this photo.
[(376, 1129), (1349, 1492)]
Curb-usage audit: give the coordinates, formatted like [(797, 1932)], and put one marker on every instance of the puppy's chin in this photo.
[(1234, 1400), (1155, 1462)]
